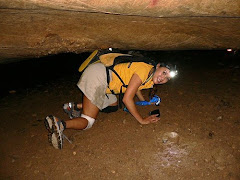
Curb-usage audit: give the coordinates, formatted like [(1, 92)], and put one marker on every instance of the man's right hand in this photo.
[(150, 119)]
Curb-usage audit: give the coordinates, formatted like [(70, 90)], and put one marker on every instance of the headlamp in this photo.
[(173, 73), (173, 69)]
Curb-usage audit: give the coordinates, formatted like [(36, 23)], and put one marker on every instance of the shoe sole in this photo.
[(54, 133), (48, 126)]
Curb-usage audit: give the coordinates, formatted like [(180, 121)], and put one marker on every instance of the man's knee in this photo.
[(89, 119)]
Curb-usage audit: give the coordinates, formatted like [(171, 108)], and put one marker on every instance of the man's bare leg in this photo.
[(88, 109)]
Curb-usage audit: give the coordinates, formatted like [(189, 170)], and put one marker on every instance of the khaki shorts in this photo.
[(93, 84)]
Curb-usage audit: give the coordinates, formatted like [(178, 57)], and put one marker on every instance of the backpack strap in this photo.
[(150, 75), (130, 58), (123, 85), (108, 81)]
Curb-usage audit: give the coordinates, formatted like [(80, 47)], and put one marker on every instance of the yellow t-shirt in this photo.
[(126, 72)]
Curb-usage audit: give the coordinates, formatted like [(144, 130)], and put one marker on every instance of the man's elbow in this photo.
[(124, 100)]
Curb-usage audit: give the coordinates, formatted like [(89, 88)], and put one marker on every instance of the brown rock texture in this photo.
[(35, 28)]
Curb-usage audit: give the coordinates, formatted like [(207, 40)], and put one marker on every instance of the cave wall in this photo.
[(35, 28)]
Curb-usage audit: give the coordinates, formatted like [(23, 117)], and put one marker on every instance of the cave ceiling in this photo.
[(36, 28)]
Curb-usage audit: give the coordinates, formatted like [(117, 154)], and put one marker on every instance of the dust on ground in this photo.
[(197, 137)]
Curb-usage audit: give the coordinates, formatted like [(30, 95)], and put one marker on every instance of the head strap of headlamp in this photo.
[(170, 67)]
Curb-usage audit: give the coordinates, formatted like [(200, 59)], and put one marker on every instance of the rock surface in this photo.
[(35, 28)]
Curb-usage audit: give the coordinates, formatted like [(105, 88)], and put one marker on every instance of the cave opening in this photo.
[(34, 73)]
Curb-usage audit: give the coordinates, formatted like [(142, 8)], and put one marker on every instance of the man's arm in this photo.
[(131, 91), (140, 96)]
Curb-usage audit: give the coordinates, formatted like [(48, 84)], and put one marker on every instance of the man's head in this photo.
[(164, 72)]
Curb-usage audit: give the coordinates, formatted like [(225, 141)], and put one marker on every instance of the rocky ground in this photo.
[(197, 137)]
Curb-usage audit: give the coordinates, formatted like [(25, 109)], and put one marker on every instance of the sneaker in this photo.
[(71, 110), (55, 131)]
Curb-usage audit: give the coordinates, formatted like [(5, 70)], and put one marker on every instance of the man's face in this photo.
[(161, 75)]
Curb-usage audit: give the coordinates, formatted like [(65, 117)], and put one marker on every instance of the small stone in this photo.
[(29, 165), (66, 173), (170, 137), (164, 140), (210, 134), (113, 171), (221, 168), (74, 153)]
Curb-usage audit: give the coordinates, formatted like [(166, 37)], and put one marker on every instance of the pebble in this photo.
[(66, 173), (221, 168), (74, 153), (171, 137), (29, 165)]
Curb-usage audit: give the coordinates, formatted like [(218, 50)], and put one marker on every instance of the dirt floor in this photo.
[(197, 137)]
